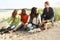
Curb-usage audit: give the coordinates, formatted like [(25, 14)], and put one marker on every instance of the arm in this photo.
[(18, 19), (39, 18), (28, 20), (43, 14), (52, 12)]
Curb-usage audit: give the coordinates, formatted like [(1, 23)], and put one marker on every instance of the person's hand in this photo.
[(44, 21), (25, 25)]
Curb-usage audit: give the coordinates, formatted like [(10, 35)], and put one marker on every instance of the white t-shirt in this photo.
[(36, 20)]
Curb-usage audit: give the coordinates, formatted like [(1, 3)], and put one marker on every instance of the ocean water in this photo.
[(5, 13)]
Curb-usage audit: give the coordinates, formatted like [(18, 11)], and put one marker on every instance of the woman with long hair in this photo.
[(35, 19), (24, 21), (12, 21)]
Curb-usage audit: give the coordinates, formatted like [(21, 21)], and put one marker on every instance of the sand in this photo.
[(50, 34)]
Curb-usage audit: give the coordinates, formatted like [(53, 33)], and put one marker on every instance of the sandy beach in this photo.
[(50, 34)]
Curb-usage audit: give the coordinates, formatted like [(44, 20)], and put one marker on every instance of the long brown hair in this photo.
[(33, 12), (14, 13)]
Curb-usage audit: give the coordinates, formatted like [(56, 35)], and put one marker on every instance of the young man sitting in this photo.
[(48, 14)]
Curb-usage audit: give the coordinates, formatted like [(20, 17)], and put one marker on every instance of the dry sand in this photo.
[(50, 34)]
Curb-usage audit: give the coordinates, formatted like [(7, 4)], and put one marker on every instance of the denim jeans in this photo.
[(19, 26), (11, 27), (31, 27), (52, 21)]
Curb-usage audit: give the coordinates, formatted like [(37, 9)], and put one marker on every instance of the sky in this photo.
[(18, 4)]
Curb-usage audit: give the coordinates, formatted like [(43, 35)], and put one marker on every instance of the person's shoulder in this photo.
[(27, 14), (50, 7), (17, 16), (44, 9)]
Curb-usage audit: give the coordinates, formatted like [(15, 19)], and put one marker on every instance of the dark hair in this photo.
[(14, 13), (47, 2), (33, 12), (23, 11)]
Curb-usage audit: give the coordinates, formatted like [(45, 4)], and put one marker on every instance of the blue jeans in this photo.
[(10, 27), (31, 26), (22, 27), (52, 21)]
